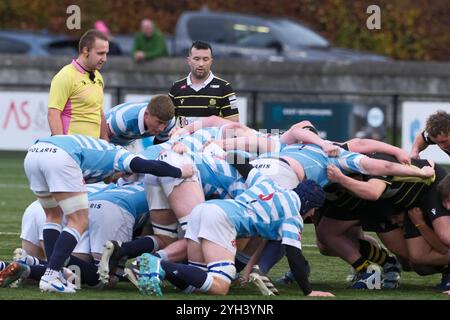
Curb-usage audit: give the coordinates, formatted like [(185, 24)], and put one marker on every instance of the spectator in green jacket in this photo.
[(149, 43)]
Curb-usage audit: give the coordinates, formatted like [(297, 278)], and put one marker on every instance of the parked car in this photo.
[(36, 43), (257, 37), (43, 44)]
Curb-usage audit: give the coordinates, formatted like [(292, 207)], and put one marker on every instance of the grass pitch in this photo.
[(327, 274)]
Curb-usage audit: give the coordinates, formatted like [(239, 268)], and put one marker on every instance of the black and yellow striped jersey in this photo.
[(215, 98), (401, 192), (405, 192)]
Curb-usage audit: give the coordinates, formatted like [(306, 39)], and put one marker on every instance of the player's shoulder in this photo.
[(131, 106), (221, 81), (180, 82)]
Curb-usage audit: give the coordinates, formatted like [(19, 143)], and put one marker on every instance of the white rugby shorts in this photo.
[(108, 221), (210, 222), (33, 223), (158, 189), (51, 169)]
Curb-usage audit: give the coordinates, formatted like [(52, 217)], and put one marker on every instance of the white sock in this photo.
[(162, 254)]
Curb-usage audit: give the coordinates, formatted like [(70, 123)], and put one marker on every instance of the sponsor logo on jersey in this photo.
[(265, 198)]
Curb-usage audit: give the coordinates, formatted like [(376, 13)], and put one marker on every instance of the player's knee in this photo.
[(444, 237), (46, 200), (323, 249), (164, 241), (78, 221), (322, 237), (74, 204), (219, 287), (417, 258), (223, 272), (165, 233)]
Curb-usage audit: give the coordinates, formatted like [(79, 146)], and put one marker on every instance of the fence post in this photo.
[(395, 120)]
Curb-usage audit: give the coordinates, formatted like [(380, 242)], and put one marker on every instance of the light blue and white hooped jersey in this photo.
[(195, 141), (129, 197), (126, 122), (266, 210), (218, 177), (315, 161), (94, 188), (97, 158), (153, 152)]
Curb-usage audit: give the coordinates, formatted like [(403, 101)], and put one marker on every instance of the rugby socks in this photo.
[(51, 232), (271, 254), (374, 253), (67, 241), (162, 254), (240, 261), (33, 261), (36, 272), (137, 247), (185, 275), (361, 264), (3, 265), (88, 271)]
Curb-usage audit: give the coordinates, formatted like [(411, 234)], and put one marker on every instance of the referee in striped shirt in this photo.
[(201, 93)]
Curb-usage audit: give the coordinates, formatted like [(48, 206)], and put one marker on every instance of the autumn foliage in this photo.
[(410, 29)]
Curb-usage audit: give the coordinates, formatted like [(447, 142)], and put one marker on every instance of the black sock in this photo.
[(185, 275), (88, 271), (272, 253), (3, 265), (374, 253), (360, 265), (67, 241), (36, 272), (240, 261), (137, 247), (50, 235)]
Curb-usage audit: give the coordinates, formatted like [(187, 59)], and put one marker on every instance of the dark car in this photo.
[(36, 43), (43, 44), (273, 38)]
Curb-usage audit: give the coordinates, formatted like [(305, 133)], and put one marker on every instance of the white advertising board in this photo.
[(23, 118), (414, 117)]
